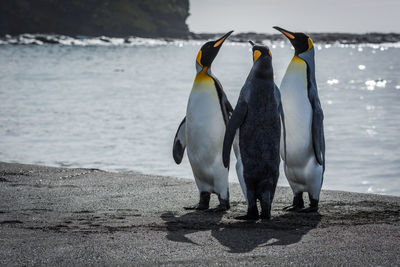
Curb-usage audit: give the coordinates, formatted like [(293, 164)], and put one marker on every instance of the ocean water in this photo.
[(117, 106)]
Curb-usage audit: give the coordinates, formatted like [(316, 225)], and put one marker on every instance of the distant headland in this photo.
[(117, 18)]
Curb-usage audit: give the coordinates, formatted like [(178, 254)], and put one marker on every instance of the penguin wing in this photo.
[(281, 113), (226, 107), (317, 126), (238, 117), (179, 142)]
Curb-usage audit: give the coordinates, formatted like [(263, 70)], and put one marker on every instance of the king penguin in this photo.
[(202, 130), (257, 117), (305, 143)]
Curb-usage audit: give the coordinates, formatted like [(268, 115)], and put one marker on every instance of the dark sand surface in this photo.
[(54, 216)]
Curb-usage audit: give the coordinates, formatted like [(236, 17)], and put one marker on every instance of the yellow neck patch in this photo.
[(202, 76), (256, 55), (297, 66), (198, 58), (296, 59)]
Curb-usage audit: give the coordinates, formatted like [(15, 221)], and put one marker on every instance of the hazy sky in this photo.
[(301, 15)]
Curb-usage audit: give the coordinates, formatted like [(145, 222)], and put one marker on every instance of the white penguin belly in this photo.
[(298, 119), (239, 165), (300, 165), (205, 129)]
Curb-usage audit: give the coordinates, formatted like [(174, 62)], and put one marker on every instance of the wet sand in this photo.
[(55, 216)]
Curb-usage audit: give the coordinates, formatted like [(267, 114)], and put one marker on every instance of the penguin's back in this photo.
[(259, 135)]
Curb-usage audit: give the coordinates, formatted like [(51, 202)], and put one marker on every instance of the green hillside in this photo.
[(147, 18)]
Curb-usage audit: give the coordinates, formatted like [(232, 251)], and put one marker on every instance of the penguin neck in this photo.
[(309, 58), (261, 81), (204, 74), (262, 69)]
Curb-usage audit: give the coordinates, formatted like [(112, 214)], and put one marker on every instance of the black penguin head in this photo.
[(262, 60), (260, 51), (299, 40), (209, 51)]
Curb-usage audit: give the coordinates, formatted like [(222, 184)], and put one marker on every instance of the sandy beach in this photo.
[(56, 216)]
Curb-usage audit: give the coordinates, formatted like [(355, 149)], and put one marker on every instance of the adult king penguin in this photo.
[(305, 143), (202, 130), (257, 116)]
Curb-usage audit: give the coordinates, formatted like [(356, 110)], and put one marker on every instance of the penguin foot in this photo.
[(265, 216), (219, 208), (298, 203), (293, 208), (204, 202), (309, 210), (252, 215), (313, 206), (196, 207), (223, 206), (247, 217)]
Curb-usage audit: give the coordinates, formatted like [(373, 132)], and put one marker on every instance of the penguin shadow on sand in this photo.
[(180, 226), (285, 229), (241, 236)]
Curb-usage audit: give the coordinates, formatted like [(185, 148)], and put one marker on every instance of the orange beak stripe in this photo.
[(288, 34), (219, 42)]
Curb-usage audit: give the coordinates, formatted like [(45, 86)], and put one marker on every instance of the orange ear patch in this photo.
[(256, 55), (270, 54), (198, 58), (310, 43)]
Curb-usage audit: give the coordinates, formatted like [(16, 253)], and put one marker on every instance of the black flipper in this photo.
[(280, 110), (238, 116), (317, 126), (179, 142), (226, 107)]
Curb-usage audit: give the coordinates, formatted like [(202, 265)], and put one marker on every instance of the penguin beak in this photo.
[(287, 33), (220, 41), (252, 43), (210, 50)]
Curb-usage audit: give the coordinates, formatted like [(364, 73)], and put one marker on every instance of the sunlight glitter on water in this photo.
[(332, 81), (370, 107), (371, 84)]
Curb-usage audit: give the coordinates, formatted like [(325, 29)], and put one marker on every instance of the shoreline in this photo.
[(62, 216), (134, 172), (372, 38)]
